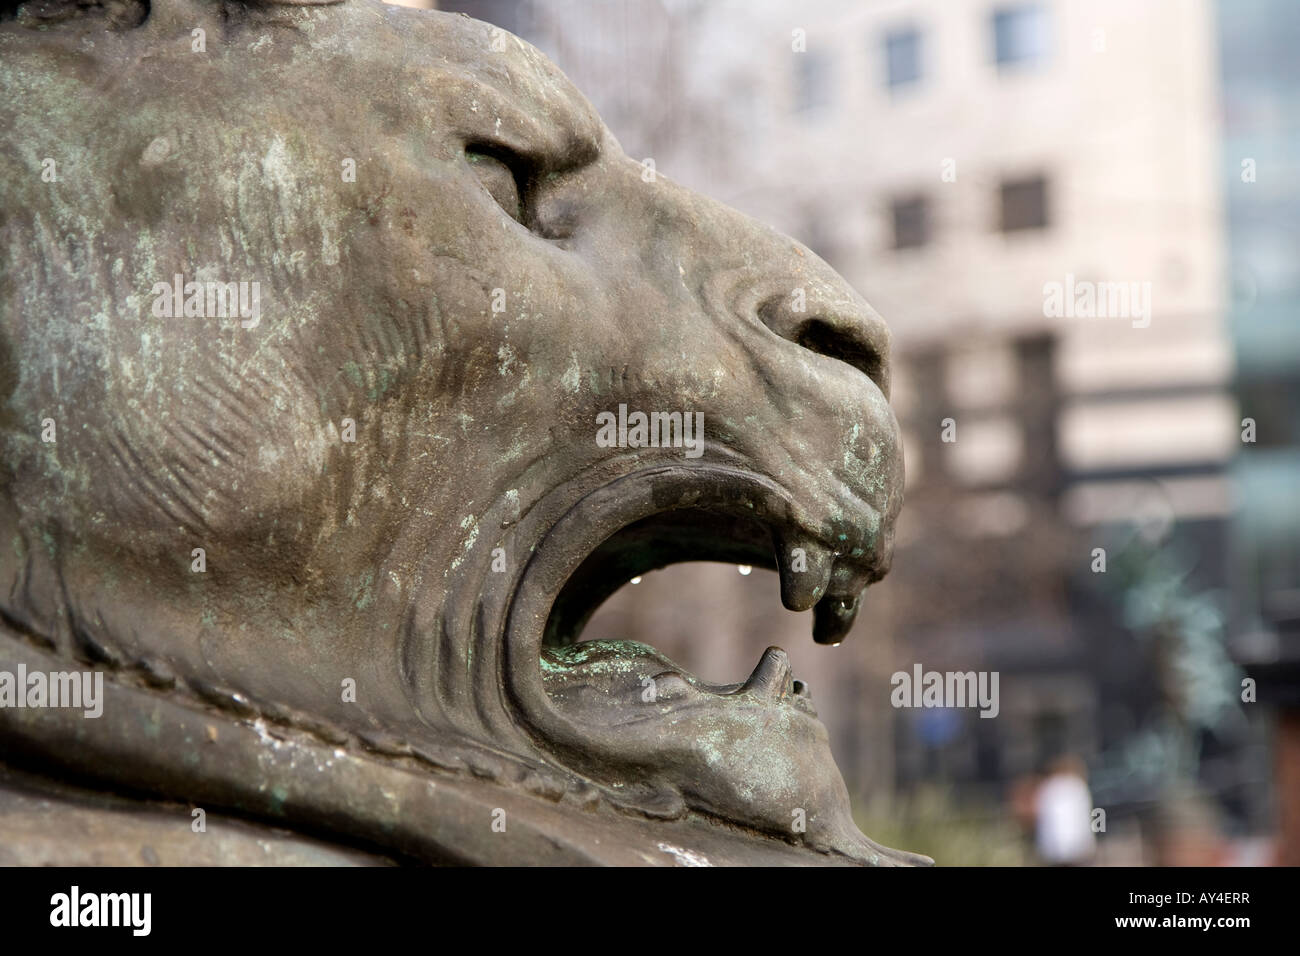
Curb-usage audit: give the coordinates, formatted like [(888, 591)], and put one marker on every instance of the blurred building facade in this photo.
[(962, 162)]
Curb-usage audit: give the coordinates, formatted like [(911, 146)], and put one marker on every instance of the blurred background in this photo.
[(1103, 509)]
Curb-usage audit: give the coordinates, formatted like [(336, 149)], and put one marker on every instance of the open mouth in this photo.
[(812, 575), (668, 515)]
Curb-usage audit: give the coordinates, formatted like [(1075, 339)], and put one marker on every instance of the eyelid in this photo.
[(530, 165), (522, 166)]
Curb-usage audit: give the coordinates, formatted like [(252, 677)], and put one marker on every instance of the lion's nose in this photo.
[(840, 330)]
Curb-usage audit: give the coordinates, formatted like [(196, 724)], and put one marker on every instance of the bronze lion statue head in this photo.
[(347, 364)]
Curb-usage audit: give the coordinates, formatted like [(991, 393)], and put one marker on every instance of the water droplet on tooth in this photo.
[(635, 580), (744, 569)]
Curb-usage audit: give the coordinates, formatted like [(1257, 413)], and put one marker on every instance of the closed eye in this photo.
[(504, 174), (530, 192)]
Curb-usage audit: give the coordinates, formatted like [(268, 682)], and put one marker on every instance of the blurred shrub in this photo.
[(930, 821)]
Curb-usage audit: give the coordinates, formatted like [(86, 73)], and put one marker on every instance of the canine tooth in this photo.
[(771, 678), (833, 617), (805, 569)]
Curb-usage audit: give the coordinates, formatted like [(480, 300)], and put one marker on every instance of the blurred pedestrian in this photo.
[(1063, 815)]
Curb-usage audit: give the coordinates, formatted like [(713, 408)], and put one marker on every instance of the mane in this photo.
[(44, 608)]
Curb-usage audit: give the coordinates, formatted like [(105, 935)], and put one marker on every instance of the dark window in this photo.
[(902, 58), (1024, 204), (1021, 35), (1274, 404), (812, 82), (911, 222)]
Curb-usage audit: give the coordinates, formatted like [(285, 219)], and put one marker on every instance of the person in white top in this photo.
[(1063, 815)]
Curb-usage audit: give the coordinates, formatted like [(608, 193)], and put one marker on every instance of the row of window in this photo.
[(1023, 204), (1021, 36)]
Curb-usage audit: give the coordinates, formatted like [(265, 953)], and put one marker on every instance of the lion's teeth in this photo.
[(833, 617), (805, 569)]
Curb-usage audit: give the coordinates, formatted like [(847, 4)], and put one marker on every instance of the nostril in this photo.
[(821, 337), (856, 343)]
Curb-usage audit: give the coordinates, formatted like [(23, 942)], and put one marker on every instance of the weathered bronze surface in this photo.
[(391, 457)]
